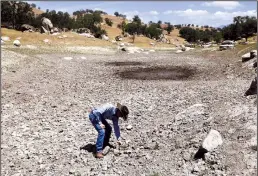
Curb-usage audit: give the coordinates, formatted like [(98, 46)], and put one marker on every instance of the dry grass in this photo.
[(37, 38)]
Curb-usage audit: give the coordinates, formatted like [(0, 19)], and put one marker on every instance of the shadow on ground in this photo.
[(159, 73), (124, 63), (91, 148)]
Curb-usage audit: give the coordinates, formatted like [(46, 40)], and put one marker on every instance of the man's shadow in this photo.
[(91, 148)]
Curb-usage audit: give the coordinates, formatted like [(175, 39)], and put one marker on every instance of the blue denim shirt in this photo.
[(108, 111)]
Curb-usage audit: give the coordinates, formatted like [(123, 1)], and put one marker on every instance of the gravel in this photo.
[(45, 122)]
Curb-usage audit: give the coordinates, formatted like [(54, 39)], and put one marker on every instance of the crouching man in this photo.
[(98, 117)]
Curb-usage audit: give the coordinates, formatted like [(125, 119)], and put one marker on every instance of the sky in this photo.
[(212, 13)]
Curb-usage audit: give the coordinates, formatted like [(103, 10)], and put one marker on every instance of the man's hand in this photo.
[(102, 126)]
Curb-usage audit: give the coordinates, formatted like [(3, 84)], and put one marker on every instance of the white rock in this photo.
[(46, 40), (212, 141), (104, 37), (187, 48), (17, 43), (2, 42), (246, 56), (31, 46), (106, 150), (151, 50), (65, 36), (121, 44), (56, 33), (83, 57), (129, 127), (68, 58), (5, 38), (179, 51)]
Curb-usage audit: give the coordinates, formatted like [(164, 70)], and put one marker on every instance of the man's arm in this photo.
[(116, 128)]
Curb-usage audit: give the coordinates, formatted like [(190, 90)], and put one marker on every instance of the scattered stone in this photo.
[(68, 58), (17, 43), (46, 40), (83, 57), (104, 37), (116, 152), (129, 127), (88, 35), (31, 46), (106, 150), (187, 156), (5, 38), (212, 141)]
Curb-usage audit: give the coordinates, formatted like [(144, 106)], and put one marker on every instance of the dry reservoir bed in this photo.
[(174, 100)]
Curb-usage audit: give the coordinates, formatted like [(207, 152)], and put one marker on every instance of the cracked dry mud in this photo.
[(46, 131)]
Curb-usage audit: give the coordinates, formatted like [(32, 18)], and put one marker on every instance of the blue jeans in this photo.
[(103, 134)]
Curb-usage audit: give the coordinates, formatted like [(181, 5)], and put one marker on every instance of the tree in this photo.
[(39, 8), (123, 26), (116, 14), (218, 37), (33, 5), (169, 28), (153, 31), (137, 20), (159, 24), (108, 22)]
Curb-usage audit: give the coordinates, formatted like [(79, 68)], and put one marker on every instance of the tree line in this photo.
[(242, 27)]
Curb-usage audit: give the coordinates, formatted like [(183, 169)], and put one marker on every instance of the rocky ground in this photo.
[(174, 101)]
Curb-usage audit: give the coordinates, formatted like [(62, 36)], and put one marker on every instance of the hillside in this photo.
[(37, 11), (114, 31)]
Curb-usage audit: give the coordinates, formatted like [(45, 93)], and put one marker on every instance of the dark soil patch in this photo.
[(159, 73), (124, 63)]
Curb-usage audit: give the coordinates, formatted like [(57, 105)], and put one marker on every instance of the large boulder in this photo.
[(104, 37), (47, 24), (26, 27), (83, 30), (55, 29)]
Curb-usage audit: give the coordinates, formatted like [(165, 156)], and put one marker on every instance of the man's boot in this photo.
[(99, 155)]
